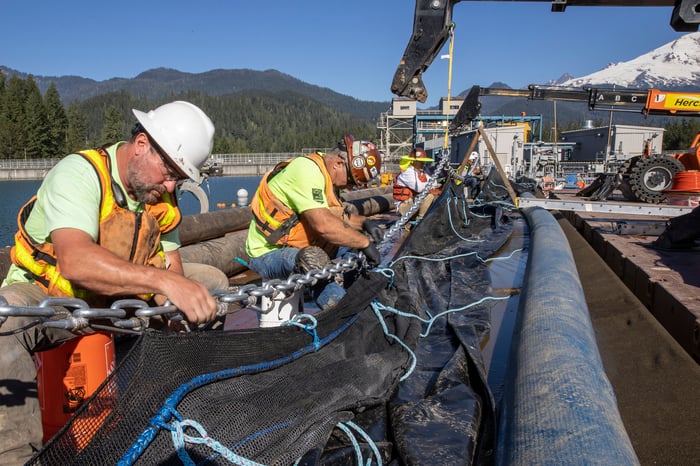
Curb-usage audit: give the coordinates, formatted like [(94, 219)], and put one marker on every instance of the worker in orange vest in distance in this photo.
[(411, 182)]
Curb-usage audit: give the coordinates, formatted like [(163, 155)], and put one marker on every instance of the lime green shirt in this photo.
[(301, 186), (69, 197)]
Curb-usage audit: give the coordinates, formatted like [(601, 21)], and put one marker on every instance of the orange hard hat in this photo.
[(363, 160)]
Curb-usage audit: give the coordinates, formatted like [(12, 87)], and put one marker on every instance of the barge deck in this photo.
[(644, 305)]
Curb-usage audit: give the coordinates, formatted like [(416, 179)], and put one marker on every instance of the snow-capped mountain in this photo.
[(671, 66)]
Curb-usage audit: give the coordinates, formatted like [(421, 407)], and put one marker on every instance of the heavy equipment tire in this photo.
[(624, 186), (650, 176)]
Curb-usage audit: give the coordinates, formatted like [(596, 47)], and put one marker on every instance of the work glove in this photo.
[(372, 255), (372, 228)]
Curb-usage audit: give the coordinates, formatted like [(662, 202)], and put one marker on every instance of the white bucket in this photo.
[(279, 308)]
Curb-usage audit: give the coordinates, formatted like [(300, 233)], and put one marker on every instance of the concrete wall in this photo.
[(7, 174)]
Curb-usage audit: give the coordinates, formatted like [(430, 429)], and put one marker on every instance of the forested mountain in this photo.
[(264, 111), (162, 82), (33, 125), (247, 121)]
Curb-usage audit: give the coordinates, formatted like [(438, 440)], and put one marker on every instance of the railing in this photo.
[(22, 164), (253, 164), (259, 158)]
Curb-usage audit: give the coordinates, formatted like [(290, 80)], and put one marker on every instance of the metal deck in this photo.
[(645, 311), (611, 207)]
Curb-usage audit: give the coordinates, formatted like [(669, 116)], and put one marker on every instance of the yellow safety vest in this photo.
[(132, 236)]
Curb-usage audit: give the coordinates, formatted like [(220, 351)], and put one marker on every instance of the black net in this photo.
[(281, 395)]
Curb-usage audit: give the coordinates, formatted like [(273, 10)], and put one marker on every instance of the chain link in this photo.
[(133, 315)]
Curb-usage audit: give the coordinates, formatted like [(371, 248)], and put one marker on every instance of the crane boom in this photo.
[(432, 22), (645, 101)]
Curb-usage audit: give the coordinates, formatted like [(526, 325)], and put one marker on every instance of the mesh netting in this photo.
[(277, 395)]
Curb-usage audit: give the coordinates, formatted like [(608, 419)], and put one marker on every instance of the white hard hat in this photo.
[(474, 155), (183, 131)]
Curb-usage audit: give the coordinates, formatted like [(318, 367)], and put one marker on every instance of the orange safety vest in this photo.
[(402, 193), (280, 224), (132, 236)]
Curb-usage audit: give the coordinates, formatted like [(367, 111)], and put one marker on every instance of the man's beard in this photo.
[(140, 189)]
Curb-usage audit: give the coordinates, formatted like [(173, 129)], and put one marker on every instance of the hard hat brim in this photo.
[(160, 137)]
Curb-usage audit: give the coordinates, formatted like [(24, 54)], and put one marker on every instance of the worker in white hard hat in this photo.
[(471, 176), (103, 226), (412, 181)]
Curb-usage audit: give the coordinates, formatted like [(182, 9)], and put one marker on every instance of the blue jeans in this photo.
[(472, 183), (280, 264)]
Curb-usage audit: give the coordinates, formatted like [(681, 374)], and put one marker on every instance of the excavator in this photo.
[(642, 178), (432, 23)]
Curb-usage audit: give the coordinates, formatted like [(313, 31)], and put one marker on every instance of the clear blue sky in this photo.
[(352, 47)]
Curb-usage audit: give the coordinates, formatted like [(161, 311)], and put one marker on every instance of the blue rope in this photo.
[(377, 307), (356, 446), (438, 259), (457, 256), (465, 209), (452, 224), (296, 321), (345, 427), (165, 413), (369, 441), (180, 439), (493, 259), (388, 273)]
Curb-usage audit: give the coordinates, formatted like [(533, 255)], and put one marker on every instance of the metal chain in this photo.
[(133, 315)]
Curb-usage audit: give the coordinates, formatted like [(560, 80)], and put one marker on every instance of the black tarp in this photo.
[(278, 395)]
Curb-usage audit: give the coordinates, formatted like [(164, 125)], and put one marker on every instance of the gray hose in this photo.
[(558, 405)]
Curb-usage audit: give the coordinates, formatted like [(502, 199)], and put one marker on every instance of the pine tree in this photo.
[(57, 121), (4, 124), (680, 134), (113, 129), (76, 133), (37, 125), (15, 123)]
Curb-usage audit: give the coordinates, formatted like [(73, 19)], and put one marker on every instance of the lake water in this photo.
[(220, 191)]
